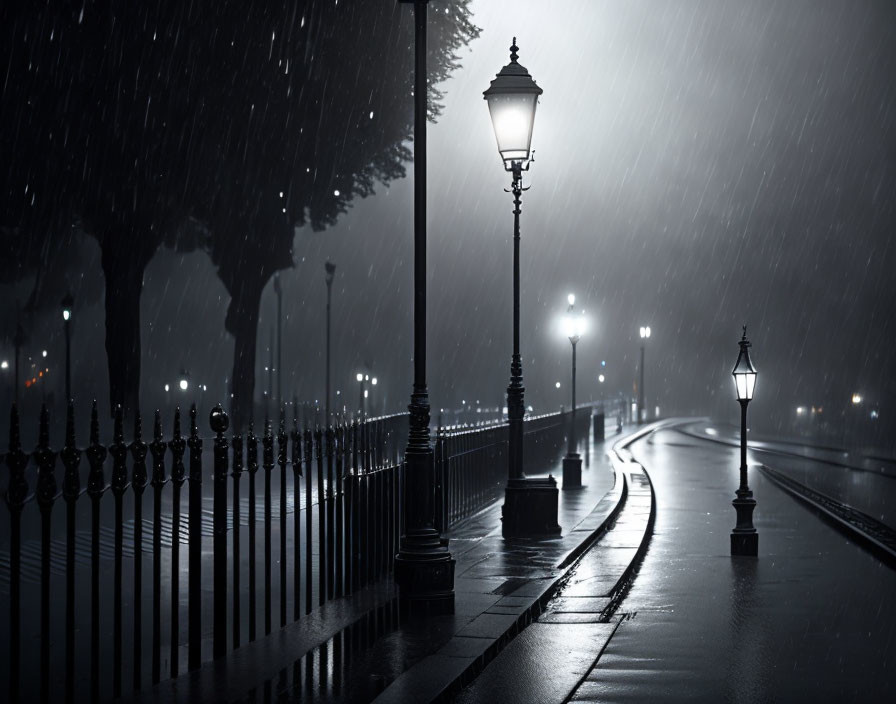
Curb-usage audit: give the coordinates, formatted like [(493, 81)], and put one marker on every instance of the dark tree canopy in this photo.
[(131, 120)]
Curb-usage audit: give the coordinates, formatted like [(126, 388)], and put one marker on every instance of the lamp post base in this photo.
[(530, 508), (572, 471), (744, 544), (744, 538), (424, 572)]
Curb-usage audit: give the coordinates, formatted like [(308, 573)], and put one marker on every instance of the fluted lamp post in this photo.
[(744, 538), (573, 328), (530, 504), (68, 306)]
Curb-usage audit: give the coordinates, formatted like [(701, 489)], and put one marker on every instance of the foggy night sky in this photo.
[(699, 165)]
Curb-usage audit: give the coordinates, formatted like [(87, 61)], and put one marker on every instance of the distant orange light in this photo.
[(27, 383), (40, 374)]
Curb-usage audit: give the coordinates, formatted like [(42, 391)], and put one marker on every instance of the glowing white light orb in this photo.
[(601, 378), (359, 376), (184, 384), (571, 298)]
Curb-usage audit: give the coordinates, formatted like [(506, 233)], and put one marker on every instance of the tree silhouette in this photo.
[(96, 126), (134, 120), (318, 110)]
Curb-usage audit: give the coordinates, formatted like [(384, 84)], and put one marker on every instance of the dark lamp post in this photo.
[(68, 304), (573, 328), (744, 538), (424, 568), (330, 269), (530, 505)]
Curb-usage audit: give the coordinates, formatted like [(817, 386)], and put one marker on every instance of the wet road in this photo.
[(812, 619), (864, 484)]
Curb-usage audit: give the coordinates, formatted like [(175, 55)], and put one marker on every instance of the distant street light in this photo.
[(68, 304), (744, 538), (362, 404), (573, 328), (642, 410), (530, 505), (856, 399), (601, 378), (330, 270)]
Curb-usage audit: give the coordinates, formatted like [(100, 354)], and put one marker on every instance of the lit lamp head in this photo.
[(644, 332), (744, 372), (68, 304), (359, 376), (574, 324), (512, 98)]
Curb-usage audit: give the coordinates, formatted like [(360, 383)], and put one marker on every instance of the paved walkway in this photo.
[(357, 648)]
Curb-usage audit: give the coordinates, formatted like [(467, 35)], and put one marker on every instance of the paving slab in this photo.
[(542, 662)]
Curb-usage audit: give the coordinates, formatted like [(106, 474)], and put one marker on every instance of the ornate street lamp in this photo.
[(744, 538), (68, 305), (573, 328), (644, 332), (330, 269), (424, 568), (530, 505)]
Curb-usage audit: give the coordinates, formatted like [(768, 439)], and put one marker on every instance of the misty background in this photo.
[(699, 166)]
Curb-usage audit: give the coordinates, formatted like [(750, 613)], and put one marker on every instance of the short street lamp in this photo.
[(642, 412), (362, 392), (530, 505), (744, 538), (573, 328), (68, 304)]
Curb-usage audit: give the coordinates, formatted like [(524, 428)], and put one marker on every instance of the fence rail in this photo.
[(119, 576)]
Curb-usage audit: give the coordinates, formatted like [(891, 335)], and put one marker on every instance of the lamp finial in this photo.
[(513, 51)]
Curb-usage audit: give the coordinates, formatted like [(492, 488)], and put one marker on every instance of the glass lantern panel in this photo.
[(744, 385), (513, 115)]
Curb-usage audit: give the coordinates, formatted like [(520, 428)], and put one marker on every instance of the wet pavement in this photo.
[(812, 619), (865, 484), (554, 653), (353, 656)]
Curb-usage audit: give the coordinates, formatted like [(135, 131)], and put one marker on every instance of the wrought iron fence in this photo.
[(471, 462), (120, 581)]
